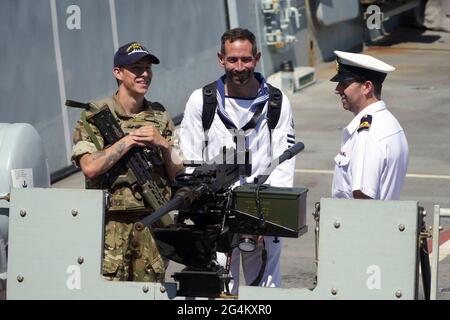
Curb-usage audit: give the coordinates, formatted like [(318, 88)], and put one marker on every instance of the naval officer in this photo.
[(373, 158)]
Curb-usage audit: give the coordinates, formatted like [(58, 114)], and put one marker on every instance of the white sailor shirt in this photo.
[(263, 147), (373, 160)]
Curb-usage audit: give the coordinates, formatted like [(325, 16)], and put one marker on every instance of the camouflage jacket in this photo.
[(122, 196)]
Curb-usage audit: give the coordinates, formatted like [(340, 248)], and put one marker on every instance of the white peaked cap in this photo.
[(360, 67), (363, 61)]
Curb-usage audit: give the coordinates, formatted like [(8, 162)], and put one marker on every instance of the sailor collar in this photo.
[(370, 109)]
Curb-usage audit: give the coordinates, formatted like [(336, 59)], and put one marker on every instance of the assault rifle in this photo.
[(140, 162)]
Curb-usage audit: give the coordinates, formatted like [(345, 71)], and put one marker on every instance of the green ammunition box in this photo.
[(285, 207)]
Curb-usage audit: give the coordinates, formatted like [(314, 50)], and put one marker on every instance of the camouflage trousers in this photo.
[(130, 255)]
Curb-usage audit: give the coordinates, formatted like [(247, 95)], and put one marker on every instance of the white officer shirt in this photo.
[(192, 138), (373, 160)]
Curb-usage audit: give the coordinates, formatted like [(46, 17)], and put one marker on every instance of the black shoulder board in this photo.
[(365, 123), (156, 106)]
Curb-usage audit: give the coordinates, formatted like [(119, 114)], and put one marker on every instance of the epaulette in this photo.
[(156, 106), (365, 123)]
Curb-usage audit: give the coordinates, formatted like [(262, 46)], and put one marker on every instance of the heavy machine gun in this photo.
[(212, 216)]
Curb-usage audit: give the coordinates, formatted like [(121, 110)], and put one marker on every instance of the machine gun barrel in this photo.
[(291, 152), (184, 197), (286, 155), (174, 204)]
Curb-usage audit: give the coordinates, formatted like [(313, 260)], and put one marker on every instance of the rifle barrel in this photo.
[(76, 104)]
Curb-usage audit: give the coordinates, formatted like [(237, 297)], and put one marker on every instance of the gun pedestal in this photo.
[(210, 282), (196, 248)]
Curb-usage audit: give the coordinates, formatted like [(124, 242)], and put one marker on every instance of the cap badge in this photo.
[(136, 47)]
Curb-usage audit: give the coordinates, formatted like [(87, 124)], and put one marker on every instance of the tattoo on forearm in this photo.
[(110, 161), (114, 156), (98, 154), (120, 146)]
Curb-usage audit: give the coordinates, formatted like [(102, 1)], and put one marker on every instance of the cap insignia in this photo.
[(135, 47)]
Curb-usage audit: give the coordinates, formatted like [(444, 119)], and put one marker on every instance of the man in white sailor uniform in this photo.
[(373, 159), (242, 106)]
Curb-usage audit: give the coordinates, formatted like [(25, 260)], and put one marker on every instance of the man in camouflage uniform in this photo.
[(129, 255)]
